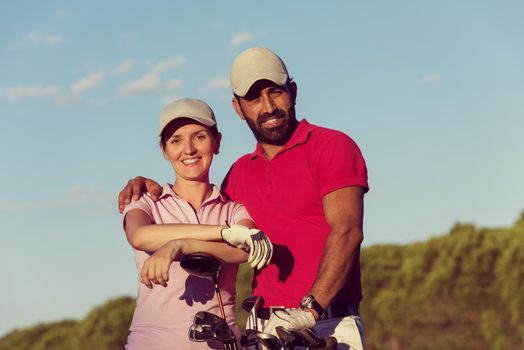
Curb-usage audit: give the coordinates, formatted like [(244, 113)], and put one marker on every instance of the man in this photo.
[(304, 187)]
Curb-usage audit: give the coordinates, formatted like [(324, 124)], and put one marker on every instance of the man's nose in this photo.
[(268, 104)]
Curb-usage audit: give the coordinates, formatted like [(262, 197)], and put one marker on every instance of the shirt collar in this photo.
[(216, 195), (299, 137)]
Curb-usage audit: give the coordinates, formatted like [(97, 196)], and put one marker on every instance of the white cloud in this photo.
[(167, 65), (123, 67), (65, 100), (21, 92), (429, 79), (89, 82), (81, 194), (241, 38), (39, 38), (217, 84), (147, 83)]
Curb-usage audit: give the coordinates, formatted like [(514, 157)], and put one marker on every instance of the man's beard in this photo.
[(278, 135)]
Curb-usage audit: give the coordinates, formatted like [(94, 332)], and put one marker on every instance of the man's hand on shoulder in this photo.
[(137, 187)]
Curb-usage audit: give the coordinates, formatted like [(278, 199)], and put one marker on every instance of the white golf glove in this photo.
[(291, 319), (252, 240)]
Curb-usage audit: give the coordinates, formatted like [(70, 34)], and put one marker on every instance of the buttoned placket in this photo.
[(197, 214)]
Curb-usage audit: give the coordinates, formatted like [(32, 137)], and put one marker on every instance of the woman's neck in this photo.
[(194, 192)]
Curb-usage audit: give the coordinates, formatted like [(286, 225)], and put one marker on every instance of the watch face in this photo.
[(306, 301)]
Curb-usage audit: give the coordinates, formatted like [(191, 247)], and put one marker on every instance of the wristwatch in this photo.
[(309, 302)]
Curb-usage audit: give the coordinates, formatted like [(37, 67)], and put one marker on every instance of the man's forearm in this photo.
[(340, 251)]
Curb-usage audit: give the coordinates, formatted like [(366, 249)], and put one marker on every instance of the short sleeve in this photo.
[(339, 163), (142, 204), (239, 213)]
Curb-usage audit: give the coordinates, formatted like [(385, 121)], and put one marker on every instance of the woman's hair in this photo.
[(175, 124)]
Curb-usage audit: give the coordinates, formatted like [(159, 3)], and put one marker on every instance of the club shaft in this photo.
[(219, 297)]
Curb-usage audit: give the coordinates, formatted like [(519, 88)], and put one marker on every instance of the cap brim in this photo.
[(201, 120), (276, 77)]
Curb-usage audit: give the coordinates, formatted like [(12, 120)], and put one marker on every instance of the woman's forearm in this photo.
[(151, 237)]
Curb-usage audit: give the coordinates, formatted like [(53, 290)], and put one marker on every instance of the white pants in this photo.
[(348, 331)]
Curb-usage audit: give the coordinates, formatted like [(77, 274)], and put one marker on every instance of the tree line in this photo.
[(463, 290)]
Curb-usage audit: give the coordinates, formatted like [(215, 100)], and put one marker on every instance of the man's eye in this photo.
[(201, 137), (175, 141), (252, 97)]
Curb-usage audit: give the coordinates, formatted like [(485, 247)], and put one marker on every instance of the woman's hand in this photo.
[(252, 240), (156, 267)]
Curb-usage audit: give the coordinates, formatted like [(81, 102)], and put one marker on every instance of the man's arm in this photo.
[(344, 210)]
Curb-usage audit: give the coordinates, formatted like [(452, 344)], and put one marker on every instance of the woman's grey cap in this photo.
[(254, 64), (191, 108)]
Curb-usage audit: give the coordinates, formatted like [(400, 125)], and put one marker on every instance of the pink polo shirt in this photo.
[(284, 196), (163, 315)]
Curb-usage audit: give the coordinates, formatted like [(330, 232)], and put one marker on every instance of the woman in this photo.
[(190, 216)]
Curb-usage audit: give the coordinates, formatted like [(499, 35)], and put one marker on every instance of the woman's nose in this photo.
[(189, 148)]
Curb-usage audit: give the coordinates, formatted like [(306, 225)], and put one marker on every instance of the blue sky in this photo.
[(433, 93)]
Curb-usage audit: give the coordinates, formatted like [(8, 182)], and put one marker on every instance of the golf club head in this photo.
[(201, 265), (204, 317), (307, 336), (198, 333), (207, 326), (285, 336), (268, 340), (249, 338), (251, 303), (327, 343)]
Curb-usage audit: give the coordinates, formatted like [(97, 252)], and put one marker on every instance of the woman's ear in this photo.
[(218, 138), (238, 108)]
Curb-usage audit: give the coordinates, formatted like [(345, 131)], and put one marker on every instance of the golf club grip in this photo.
[(327, 343)]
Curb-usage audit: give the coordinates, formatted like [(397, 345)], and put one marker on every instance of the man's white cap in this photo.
[(254, 64), (191, 108)]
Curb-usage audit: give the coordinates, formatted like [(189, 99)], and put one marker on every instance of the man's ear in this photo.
[(238, 109), (218, 138), (293, 91), (164, 153)]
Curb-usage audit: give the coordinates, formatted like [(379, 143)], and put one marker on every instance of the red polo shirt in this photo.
[(284, 197)]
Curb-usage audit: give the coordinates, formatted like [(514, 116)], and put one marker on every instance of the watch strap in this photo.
[(309, 302)]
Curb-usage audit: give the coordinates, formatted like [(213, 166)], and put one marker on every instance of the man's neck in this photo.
[(269, 150)]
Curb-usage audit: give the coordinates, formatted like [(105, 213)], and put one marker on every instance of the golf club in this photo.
[(207, 326), (268, 340), (252, 304), (205, 266)]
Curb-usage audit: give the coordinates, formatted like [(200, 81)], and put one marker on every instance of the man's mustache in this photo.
[(277, 113)]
